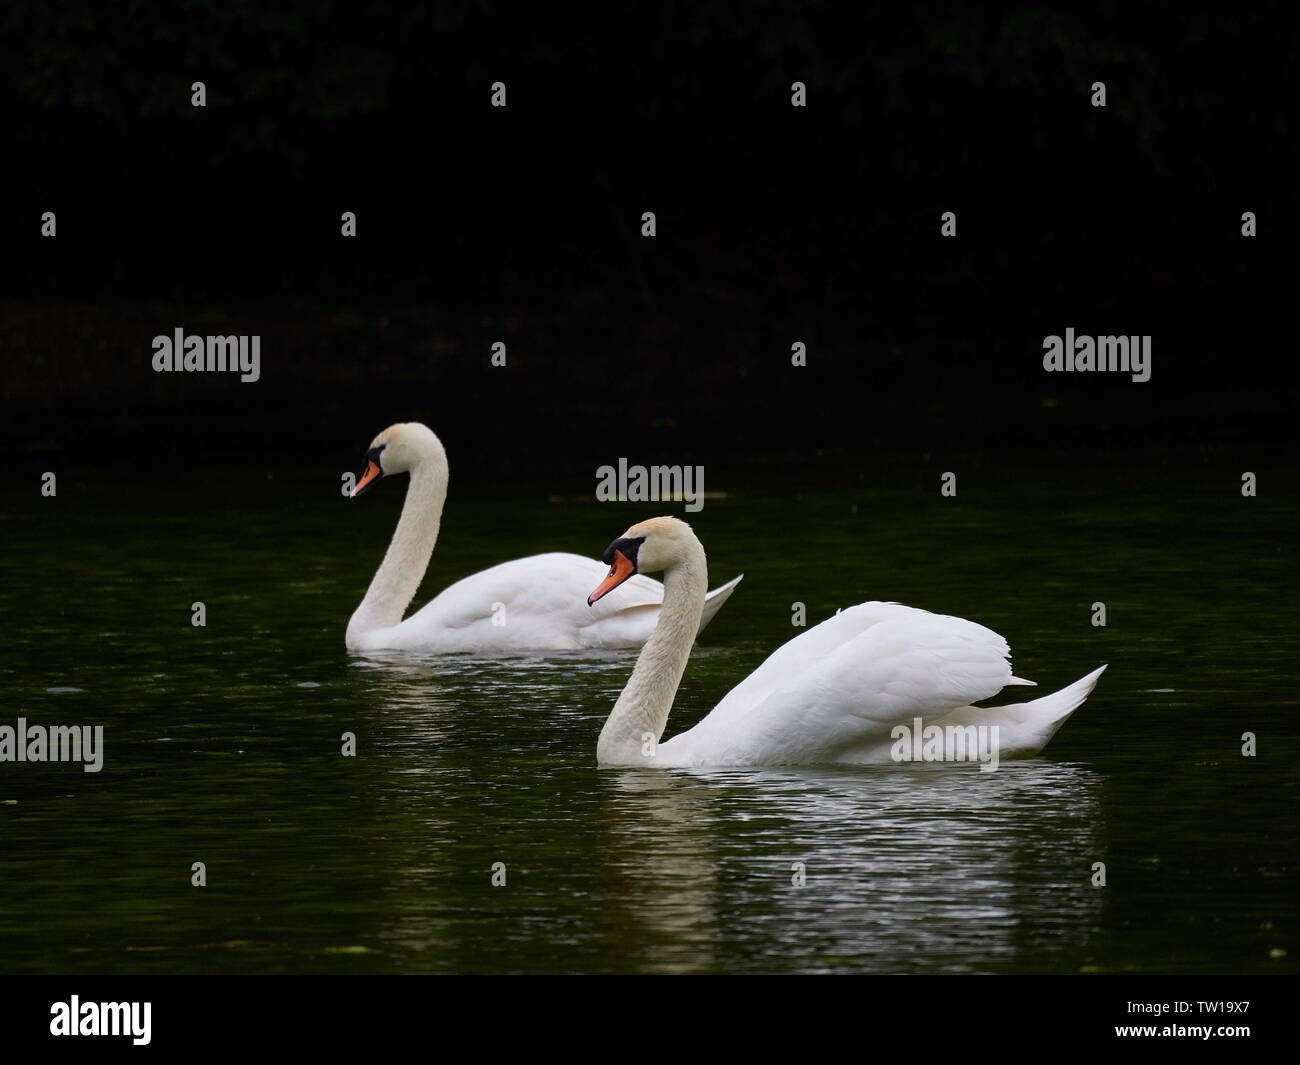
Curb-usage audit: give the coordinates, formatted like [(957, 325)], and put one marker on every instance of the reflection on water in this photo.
[(223, 745), (899, 867), (659, 870)]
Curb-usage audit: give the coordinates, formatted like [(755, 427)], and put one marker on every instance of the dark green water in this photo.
[(222, 743)]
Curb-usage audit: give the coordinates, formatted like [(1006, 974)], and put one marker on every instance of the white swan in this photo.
[(535, 603), (832, 694)]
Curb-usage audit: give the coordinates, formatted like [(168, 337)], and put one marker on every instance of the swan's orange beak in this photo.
[(620, 571), (372, 474)]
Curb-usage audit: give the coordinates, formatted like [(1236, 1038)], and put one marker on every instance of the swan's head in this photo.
[(397, 449), (647, 547)]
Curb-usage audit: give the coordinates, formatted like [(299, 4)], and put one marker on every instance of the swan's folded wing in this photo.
[(552, 587), (849, 680)]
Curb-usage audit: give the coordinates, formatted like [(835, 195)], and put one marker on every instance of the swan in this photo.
[(833, 694), (529, 604)]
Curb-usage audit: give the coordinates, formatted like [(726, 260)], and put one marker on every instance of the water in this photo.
[(223, 742)]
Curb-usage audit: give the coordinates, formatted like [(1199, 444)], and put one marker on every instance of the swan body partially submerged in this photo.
[(535, 603), (836, 693)]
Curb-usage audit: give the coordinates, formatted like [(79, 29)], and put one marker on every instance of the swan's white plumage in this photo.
[(832, 694), (537, 603), (544, 607)]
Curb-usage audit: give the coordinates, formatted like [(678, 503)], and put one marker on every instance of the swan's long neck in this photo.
[(399, 575), (635, 725)]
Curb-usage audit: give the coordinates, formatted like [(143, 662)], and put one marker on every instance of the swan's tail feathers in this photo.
[(714, 600), (1021, 680), (1031, 725)]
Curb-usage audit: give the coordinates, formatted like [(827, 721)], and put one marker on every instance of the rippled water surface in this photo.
[(222, 743)]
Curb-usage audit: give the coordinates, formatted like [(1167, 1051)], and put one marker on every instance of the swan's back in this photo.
[(844, 684), (535, 602)]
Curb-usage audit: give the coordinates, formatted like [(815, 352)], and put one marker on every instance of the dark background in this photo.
[(775, 224)]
